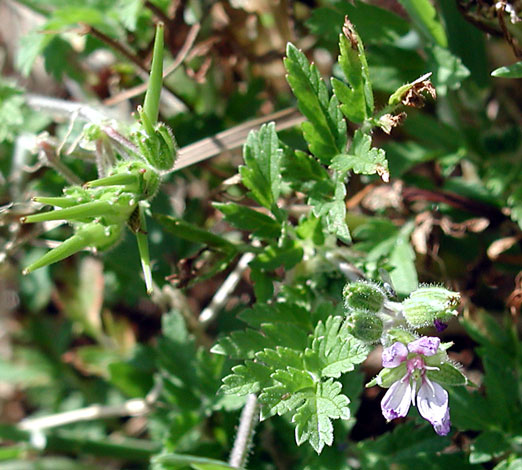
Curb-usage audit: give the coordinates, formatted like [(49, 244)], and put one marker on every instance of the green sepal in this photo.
[(135, 177), (427, 304), (157, 144), (387, 377), (79, 193), (399, 335), (447, 374)]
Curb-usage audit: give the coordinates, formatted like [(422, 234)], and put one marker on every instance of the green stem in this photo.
[(152, 97), (143, 248), (128, 449), (369, 124)]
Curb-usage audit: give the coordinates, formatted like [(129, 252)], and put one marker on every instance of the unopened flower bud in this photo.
[(366, 326), (426, 305), (362, 295)]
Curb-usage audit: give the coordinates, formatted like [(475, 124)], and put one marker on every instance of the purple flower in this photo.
[(439, 325), (432, 399)]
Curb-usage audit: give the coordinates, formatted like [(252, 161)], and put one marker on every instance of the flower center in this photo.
[(416, 367)]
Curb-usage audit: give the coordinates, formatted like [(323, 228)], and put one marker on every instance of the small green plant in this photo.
[(295, 316)]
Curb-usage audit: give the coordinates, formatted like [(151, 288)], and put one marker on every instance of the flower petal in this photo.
[(443, 427), (432, 401), (427, 345), (439, 325), (397, 400), (394, 355)]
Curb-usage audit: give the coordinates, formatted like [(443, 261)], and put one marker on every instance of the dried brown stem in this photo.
[(121, 48), (457, 201), (158, 12)]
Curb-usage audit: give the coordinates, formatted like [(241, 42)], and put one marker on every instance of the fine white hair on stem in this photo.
[(133, 407), (245, 432), (223, 293)]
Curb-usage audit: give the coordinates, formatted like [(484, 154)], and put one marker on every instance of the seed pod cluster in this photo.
[(363, 301), (99, 210)]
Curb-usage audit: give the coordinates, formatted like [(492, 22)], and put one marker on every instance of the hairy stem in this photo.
[(223, 293), (245, 433)]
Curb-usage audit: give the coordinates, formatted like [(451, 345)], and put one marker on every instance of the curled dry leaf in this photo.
[(383, 172), (514, 301), (425, 222), (389, 121), (384, 197), (502, 245), (458, 229)]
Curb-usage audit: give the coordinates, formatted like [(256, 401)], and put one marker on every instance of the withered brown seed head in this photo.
[(349, 32), (415, 96)]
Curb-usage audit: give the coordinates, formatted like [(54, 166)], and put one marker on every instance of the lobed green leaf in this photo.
[(287, 254), (331, 207), (193, 233), (313, 418), (261, 173), (334, 350), (356, 98), (288, 392), (243, 344), (362, 159), (448, 70), (248, 378), (325, 130), (244, 218)]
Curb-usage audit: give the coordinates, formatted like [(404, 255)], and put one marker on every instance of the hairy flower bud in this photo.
[(364, 325), (427, 305), (363, 295)]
